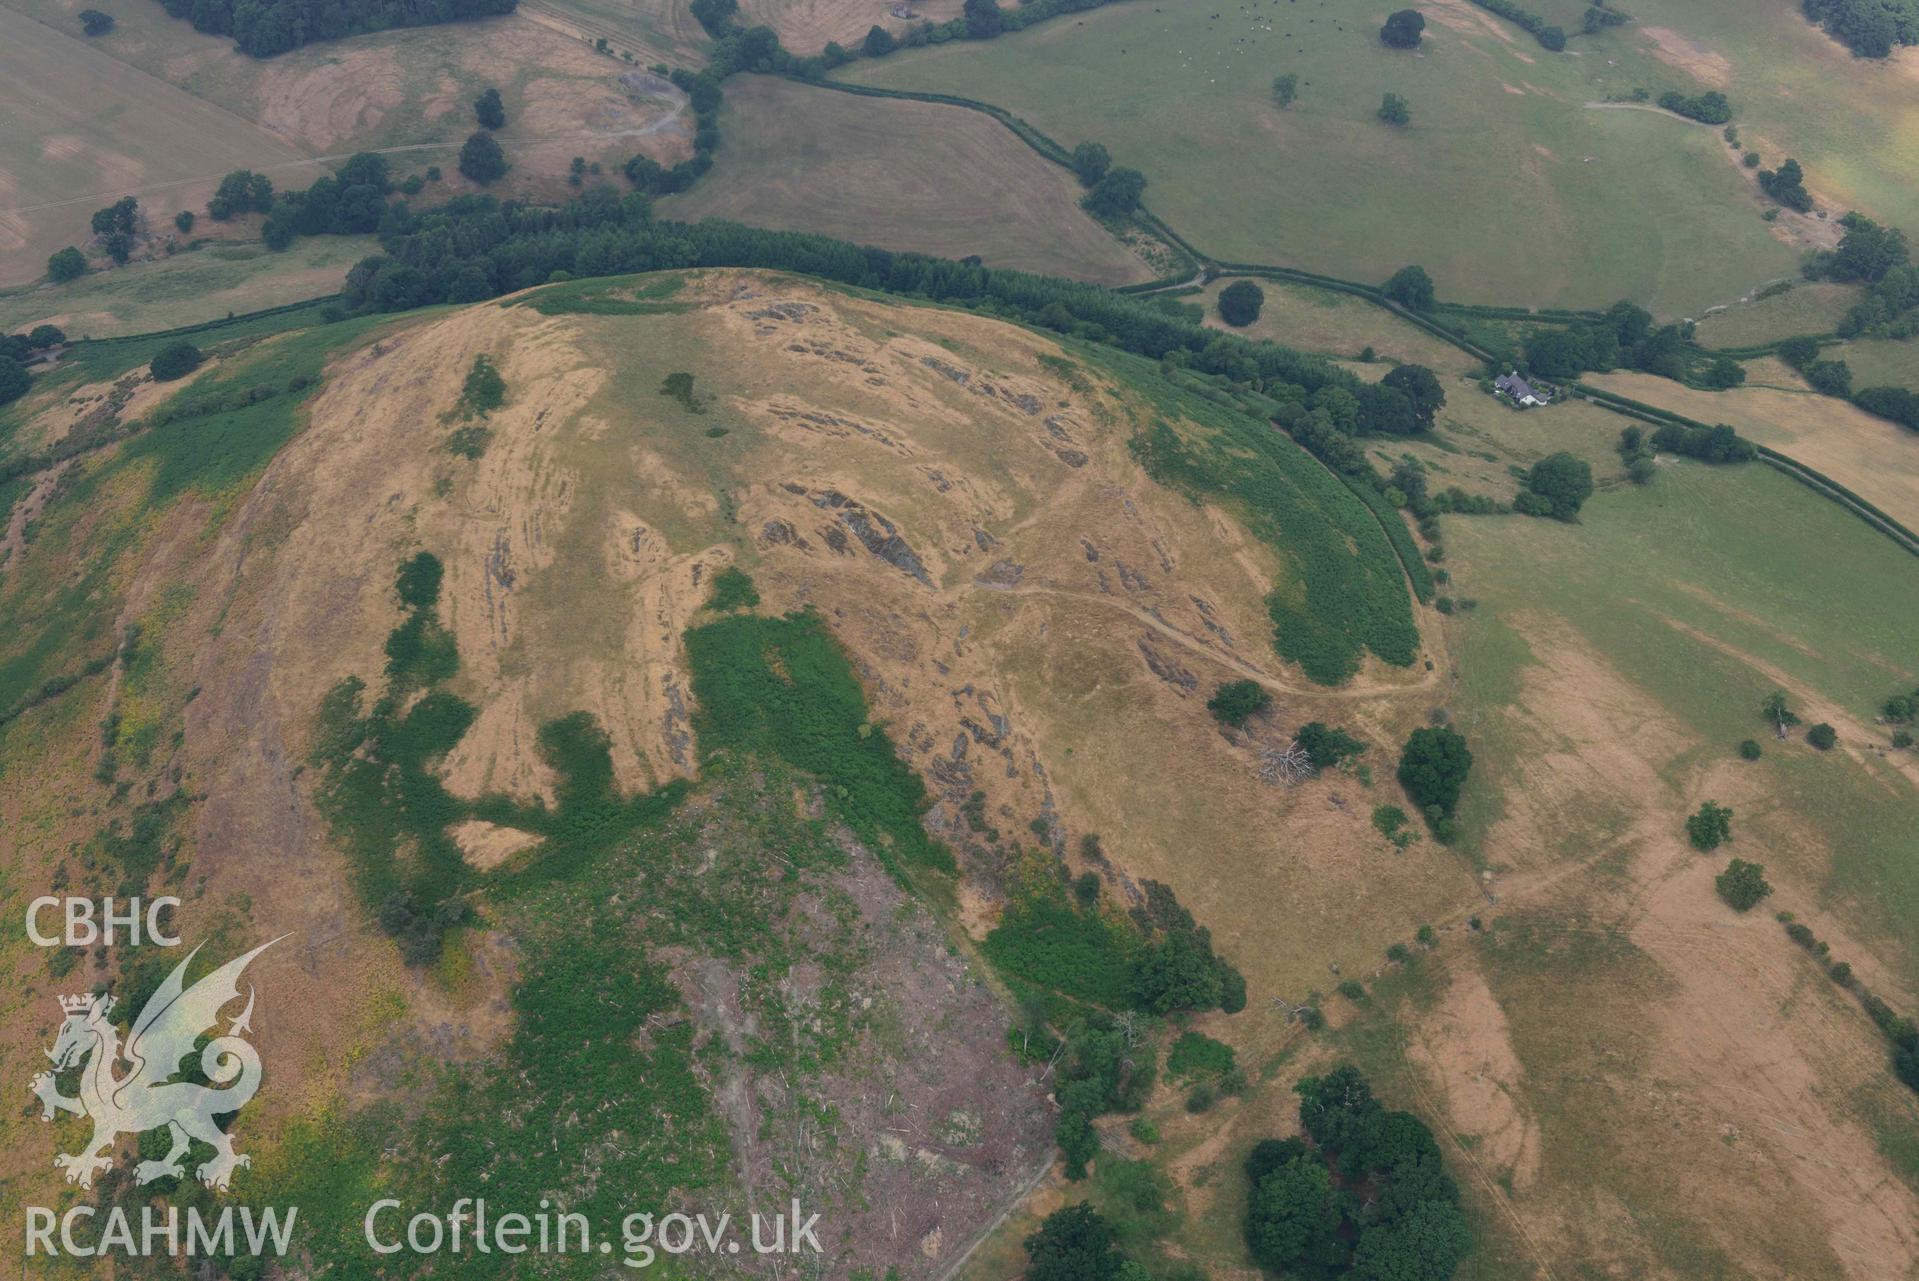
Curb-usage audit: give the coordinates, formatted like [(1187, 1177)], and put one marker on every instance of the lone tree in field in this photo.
[(1822, 736), (1711, 827), (489, 110), (481, 159), (1235, 702), (1561, 483), (175, 360), (879, 42), (1091, 160), (1410, 287), (1285, 89), (1742, 884), (66, 265), (1403, 29), (94, 22), (1239, 303), (1394, 111), (1433, 768), (1776, 711)]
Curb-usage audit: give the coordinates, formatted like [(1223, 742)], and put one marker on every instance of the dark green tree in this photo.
[(1090, 163), (1394, 111), (1433, 768), (66, 264), (1742, 884), (1074, 1243), (1711, 827), (175, 360), (878, 43), (1410, 287), (489, 110), (1292, 1219), (1117, 194), (1420, 386), (1240, 302), (14, 380), (1563, 481), (481, 158), (1236, 702), (1403, 29), (983, 19)]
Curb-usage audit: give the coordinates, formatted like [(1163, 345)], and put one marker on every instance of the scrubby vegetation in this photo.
[(1742, 885), (1237, 702), (1325, 746), (264, 28), (1870, 28), (1240, 302), (782, 688), (1711, 826), (1365, 1194), (1433, 769)]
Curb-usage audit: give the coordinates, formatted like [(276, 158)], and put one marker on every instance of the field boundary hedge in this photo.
[(1810, 477)]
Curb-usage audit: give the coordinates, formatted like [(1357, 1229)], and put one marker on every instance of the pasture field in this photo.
[(1337, 325), (805, 26), (1874, 458), (78, 129), (215, 280), (1544, 200), (651, 30), (1603, 679), (1478, 440), (1852, 122), (1879, 362), (159, 111), (1806, 308), (882, 172)]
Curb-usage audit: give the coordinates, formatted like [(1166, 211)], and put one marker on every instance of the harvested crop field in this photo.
[(900, 175)]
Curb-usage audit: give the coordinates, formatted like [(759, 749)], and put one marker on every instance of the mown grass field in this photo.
[(884, 173), (1878, 362), (1803, 309), (1506, 186), (205, 284), (1852, 122), (1874, 458)]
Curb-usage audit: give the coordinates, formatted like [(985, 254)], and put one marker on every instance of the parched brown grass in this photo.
[(159, 111), (900, 175), (806, 26), (78, 129)]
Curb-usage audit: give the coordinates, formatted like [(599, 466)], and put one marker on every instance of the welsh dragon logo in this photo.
[(147, 1097)]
